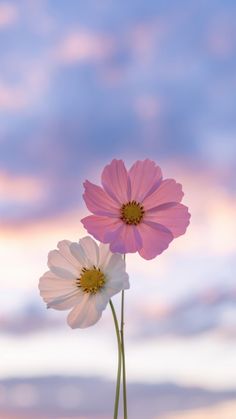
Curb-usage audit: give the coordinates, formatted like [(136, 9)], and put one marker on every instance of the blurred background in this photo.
[(82, 82)]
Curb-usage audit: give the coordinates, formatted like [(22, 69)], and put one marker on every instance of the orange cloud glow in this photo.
[(20, 188), (222, 411)]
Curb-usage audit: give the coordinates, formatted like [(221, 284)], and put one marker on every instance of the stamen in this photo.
[(132, 213), (91, 280)]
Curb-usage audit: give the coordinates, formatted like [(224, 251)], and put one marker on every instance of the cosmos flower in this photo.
[(83, 277), (135, 210)]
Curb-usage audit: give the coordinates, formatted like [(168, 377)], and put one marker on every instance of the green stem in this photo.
[(116, 407), (123, 354)]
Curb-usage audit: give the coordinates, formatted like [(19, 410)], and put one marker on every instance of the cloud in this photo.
[(83, 46), (8, 14), (220, 411), (66, 396), (20, 189), (13, 97), (32, 83), (28, 320), (212, 310)]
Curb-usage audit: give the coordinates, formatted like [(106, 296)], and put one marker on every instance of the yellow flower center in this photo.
[(132, 213), (91, 280)]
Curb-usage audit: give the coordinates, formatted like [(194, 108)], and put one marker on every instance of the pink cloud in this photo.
[(8, 14), (20, 189), (83, 46), (147, 107), (12, 98), (33, 84), (221, 411)]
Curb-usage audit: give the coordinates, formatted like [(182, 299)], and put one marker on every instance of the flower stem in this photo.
[(116, 407), (123, 354)]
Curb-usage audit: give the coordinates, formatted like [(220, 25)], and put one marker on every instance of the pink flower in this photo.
[(136, 210)]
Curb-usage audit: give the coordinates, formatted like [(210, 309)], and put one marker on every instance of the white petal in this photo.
[(101, 299), (61, 294), (118, 283), (65, 302), (84, 314), (91, 250), (78, 252), (116, 276), (116, 264), (60, 265), (50, 281), (64, 248), (104, 255)]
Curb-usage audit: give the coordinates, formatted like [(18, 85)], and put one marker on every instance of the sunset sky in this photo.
[(82, 83)]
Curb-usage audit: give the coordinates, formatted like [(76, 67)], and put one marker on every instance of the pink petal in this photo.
[(175, 217), (155, 238), (168, 191), (115, 181), (98, 226), (98, 201), (145, 177), (126, 239)]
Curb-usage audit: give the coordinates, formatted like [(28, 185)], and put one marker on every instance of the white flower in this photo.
[(83, 277)]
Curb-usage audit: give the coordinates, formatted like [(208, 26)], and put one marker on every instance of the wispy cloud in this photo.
[(8, 14), (213, 310), (83, 46), (65, 396), (20, 189)]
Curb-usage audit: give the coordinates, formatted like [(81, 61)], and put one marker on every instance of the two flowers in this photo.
[(133, 211)]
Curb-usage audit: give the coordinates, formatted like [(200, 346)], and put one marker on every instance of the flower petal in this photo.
[(61, 294), (115, 181), (104, 255), (116, 277), (50, 281), (118, 283), (126, 239), (145, 177), (98, 226), (101, 300), (64, 302), (79, 254), (168, 191), (64, 249), (84, 314), (98, 201), (115, 265), (175, 218), (155, 237), (91, 250), (58, 264)]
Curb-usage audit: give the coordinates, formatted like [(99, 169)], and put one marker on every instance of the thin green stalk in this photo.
[(116, 407), (123, 354)]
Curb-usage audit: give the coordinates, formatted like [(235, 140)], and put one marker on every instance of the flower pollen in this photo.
[(132, 213), (91, 280)]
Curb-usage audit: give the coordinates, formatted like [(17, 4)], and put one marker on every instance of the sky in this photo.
[(82, 83)]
